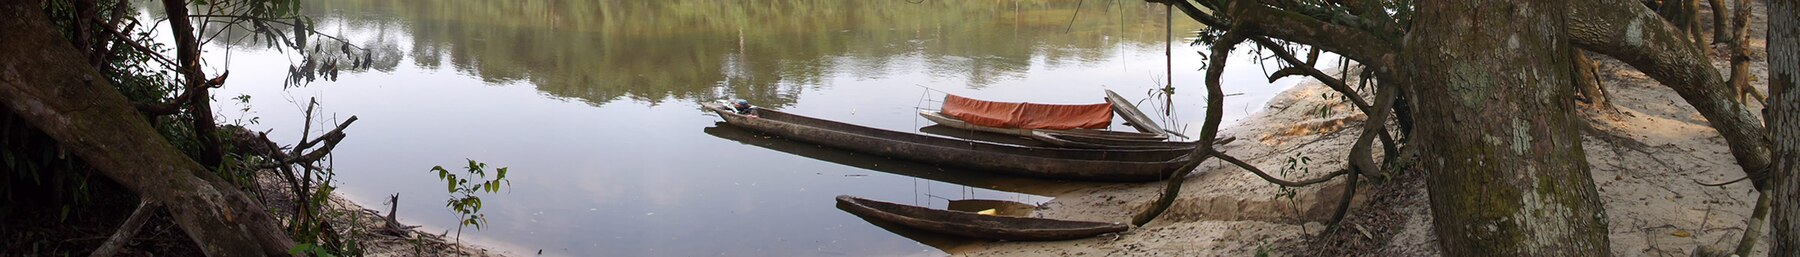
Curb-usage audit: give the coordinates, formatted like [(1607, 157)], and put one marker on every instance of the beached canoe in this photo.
[(986, 180), (969, 224), (1093, 139), (1112, 165), (953, 122)]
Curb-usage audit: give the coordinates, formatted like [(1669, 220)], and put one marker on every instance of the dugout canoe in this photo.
[(1106, 165), (974, 225)]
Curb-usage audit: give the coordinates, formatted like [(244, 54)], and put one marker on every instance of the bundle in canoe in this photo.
[(974, 225), (1112, 165), (1060, 125)]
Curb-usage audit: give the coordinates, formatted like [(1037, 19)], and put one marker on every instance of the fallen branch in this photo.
[(1272, 179), (128, 230)]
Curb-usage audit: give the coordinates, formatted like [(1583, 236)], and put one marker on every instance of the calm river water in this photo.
[(593, 106)]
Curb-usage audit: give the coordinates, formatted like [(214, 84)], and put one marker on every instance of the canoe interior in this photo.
[(1115, 155), (953, 122), (991, 181), (977, 225), (947, 131), (1091, 142), (1000, 207)]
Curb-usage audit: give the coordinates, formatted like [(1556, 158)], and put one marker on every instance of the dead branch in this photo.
[(393, 226), (1754, 227), (1272, 179), (128, 230), (187, 96), (1297, 67), (1718, 184)]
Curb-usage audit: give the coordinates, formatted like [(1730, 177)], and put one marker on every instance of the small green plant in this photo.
[(463, 200), (1264, 250), (1295, 165)]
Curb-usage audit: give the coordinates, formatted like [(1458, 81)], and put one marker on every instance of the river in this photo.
[(592, 105)]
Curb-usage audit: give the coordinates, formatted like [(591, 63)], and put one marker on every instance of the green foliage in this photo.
[(309, 249), (1264, 250), (1296, 165), (463, 200)]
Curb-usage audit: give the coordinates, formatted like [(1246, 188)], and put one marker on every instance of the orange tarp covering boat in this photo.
[(1028, 115)]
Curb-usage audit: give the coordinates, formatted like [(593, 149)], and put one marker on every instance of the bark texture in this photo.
[(1630, 32), (1740, 53), (1587, 81), (1721, 26), (1507, 173), (187, 51), (1784, 122), (45, 81)]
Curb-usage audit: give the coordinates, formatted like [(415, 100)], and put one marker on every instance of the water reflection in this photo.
[(591, 104), (765, 51)]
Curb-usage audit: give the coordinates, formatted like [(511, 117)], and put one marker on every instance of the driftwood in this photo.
[(392, 226), (47, 83)]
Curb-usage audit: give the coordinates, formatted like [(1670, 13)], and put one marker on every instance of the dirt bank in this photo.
[(1647, 154)]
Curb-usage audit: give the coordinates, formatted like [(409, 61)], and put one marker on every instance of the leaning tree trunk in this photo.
[(1630, 32), (46, 81), (1784, 125), (1507, 173)]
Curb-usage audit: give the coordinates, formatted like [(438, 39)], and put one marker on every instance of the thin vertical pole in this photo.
[(1168, 61)]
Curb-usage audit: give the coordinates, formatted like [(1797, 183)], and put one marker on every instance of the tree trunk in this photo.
[(187, 51), (1784, 124), (1721, 26), (1740, 53), (1691, 20), (1587, 81), (45, 81), (1628, 31), (1507, 173)]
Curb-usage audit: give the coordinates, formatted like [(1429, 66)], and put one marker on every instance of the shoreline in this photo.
[(368, 227), (1646, 154)]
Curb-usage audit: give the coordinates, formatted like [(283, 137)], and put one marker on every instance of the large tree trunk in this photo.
[(1507, 173), (1784, 123), (45, 81)]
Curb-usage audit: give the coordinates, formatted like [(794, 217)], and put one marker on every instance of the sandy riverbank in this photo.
[(366, 226), (1647, 155)]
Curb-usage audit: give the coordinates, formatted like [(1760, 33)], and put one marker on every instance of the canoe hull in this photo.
[(976, 225), (1109, 165)]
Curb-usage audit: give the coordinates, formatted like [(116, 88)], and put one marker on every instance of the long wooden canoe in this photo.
[(1113, 165), (973, 225), (987, 180)]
